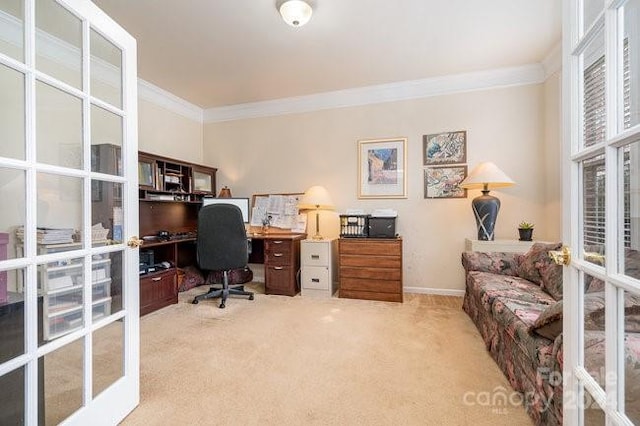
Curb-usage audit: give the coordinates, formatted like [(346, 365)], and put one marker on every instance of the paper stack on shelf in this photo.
[(49, 235), (384, 213)]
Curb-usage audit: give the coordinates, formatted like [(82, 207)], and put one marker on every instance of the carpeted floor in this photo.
[(293, 360)]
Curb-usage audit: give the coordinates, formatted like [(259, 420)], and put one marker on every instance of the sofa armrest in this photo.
[(502, 263)]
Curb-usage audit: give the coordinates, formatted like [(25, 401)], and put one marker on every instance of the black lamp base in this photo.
[(485, 208)]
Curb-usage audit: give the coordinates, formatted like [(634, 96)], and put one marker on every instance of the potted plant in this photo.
[(526, 231)]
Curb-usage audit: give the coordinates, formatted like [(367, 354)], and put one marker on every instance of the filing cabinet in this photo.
[(158, 290), (318, 263), (281, 265)]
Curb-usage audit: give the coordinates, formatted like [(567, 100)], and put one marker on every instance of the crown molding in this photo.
[(552, 63), (405, 90), (169, 101), (67, 55)]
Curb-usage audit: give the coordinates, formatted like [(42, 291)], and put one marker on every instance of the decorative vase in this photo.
[(525, 234), (485, 208)]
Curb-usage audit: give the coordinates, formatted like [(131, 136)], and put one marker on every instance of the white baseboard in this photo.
[(436, 291)]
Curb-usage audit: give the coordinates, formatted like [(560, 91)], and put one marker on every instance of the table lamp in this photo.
[(316, 198), (485, 207)]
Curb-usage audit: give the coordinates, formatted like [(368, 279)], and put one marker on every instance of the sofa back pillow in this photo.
[(551, 275), (536, 257)]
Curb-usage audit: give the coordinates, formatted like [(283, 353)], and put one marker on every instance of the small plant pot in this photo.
[(526, 234)]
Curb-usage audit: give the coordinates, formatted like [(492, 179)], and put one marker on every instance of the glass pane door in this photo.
[(68, 282), (602, 283)]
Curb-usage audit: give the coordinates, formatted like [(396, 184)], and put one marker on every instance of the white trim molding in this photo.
[(169, 101), (405, 90), (435, 291), (552, 63)]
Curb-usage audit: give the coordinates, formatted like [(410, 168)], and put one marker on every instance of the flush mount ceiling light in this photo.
[(295, 12)]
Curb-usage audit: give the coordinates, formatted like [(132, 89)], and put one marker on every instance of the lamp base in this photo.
[(485, 208), (318, 237)]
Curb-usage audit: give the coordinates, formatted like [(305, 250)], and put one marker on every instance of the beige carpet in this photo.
[(292, 360)]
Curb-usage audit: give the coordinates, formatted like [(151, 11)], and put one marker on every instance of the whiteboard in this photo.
[(243, 203)]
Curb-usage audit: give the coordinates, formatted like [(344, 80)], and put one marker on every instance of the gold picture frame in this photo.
[(382, 168)]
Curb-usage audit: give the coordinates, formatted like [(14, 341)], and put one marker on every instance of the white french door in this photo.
[(601, 115), (69, 307)]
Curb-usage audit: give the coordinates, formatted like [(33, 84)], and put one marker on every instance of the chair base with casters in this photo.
[(223, 292)]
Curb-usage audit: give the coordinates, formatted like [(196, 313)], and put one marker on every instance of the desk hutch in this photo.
[(170, 194)]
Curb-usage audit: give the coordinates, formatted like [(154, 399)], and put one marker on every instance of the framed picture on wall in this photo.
[(445, 148), (444, 182), (381, 168)]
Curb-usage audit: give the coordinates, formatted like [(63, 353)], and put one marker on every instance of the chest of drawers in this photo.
[(371, 268)]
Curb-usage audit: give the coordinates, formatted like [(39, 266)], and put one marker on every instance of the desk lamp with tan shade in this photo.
[(486, 176), (316, 198)]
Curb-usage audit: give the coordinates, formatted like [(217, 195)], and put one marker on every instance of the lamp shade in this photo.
[(486, 176), (316, 197), (296, 12)]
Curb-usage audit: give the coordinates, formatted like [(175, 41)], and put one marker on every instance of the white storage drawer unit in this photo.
[(318, 263)]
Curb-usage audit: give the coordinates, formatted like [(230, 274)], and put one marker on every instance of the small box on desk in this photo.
[(382, 227)]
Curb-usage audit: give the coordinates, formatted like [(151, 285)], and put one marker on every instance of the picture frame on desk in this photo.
[(146, 173), (381, 168)]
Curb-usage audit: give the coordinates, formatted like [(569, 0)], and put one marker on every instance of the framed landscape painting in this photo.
[(445, 148), (444, 182), (381, 168)]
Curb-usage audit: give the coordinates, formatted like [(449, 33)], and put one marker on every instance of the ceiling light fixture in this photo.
[(296, 12)]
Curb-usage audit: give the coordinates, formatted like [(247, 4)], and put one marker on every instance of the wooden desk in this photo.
[(280, 253)]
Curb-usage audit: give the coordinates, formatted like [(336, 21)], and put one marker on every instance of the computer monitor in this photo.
[(243, 203)]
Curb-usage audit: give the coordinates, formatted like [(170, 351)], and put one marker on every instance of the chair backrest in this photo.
[(222, 238)]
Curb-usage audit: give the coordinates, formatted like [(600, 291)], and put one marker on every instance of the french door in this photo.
[(69, 327), (601, 114)]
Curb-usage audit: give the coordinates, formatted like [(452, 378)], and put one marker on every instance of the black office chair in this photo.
[(222, 246)]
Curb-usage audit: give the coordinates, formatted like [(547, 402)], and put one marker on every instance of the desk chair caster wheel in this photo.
[(195, 301), (221, 306), (251, 297)]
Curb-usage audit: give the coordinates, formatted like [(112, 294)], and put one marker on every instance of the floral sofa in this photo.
[(515, 300), (505, 295)]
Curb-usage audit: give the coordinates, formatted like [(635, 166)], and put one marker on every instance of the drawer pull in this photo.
[(278, 268), (156, 279), (278, 254), (315, 256), (277, 242), (315, 280)]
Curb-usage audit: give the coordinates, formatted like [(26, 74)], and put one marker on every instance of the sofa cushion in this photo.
[(487, 287), (537, 257), (549, 323), (516, 317), (551, 275)]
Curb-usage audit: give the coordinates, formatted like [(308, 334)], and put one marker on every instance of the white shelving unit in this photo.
[(318, 264)]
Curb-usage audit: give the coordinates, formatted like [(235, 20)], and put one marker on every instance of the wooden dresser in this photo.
[(370, 268), (281, 264)]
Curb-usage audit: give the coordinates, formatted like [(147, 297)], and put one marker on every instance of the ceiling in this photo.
[(226, 52)]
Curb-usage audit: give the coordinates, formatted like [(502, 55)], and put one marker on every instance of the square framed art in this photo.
[(445, 148), (444, 182), (381, 168)]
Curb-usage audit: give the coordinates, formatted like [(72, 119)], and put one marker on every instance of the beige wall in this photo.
[(293, 152), (167, 133), (552, 158)]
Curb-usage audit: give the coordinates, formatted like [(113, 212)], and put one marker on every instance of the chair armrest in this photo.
[(502, 263)]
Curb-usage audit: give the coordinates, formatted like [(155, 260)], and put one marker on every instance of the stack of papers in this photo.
[(50, 235), (384, 213)]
